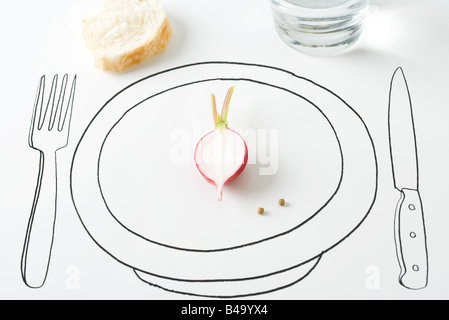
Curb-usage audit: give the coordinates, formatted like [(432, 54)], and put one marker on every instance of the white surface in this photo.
[(328, 205), (46, 39)]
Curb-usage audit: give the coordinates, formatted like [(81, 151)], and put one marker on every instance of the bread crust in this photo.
[(133, 57)]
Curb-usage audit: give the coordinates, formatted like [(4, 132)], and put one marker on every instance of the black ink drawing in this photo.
[(205, 272), (49, 132), (410, 231)]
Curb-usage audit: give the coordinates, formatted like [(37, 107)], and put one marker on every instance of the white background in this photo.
[(44, 37)]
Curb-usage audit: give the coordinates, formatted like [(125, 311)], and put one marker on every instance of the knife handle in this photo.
[(411, 241)]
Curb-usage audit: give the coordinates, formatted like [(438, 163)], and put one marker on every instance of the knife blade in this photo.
[(410, 231)]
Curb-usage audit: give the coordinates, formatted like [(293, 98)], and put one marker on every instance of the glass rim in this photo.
[(286, 4)]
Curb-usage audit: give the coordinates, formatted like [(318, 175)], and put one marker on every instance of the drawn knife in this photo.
[(410, 231)]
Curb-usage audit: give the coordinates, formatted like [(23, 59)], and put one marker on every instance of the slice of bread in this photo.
[(123, 33)]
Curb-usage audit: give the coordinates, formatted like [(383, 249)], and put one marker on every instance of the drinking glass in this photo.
[(319, 27)]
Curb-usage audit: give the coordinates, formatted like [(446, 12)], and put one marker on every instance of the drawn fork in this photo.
[(49, 132)]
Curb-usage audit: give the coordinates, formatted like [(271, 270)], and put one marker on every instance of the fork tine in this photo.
[(37, 110), (46, 119), (64, 122), (59, 106)]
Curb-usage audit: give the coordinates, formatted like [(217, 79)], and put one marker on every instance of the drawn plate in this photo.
[(140, 197)]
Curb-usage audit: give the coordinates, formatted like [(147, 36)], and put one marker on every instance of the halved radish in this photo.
[(221, 155)]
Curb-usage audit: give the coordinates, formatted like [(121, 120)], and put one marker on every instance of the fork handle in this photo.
[(41, 225)]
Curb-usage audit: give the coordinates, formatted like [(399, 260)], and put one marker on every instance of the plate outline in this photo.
[(374, 198)]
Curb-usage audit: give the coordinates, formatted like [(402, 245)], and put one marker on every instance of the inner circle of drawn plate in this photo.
[(344, 208), (150, 183)]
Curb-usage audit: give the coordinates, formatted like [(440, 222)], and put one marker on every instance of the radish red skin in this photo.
[(236, 174), (225, 144)]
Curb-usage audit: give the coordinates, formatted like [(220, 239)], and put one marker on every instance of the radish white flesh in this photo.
[(221, 155)]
